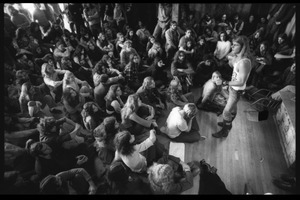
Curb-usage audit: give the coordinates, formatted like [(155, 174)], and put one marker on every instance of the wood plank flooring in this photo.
[(251, 154)]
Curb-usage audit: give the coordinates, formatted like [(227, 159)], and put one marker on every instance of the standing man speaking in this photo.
[(240, 60)]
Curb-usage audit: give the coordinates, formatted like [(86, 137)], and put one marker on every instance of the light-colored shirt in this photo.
[(236, 75), (136, 161), (176, 123), (222, 49)]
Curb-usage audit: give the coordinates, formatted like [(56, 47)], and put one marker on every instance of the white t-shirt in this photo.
[(176, 123), (222, 49)]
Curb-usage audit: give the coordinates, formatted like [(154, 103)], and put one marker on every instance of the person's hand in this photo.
[(38, 103), (185, 166), (149, 117), (152, 135), (161, 105), (92, 189), (225, 82), (154, 123), (81, 159)]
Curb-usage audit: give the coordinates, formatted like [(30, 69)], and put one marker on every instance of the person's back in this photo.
[(175, 121), (99, 93)]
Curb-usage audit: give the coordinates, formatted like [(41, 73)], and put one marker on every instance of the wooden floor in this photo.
[(251, 154)]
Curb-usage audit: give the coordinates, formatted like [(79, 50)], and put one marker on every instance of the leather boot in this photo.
[(233, 117), (224, 131)]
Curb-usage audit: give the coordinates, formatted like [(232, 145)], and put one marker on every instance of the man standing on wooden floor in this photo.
[(239, 59)]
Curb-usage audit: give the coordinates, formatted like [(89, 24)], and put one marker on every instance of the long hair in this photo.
[(109, 126), (176, 56), (131, 58), (245, 48), (172, 88), (122, 143), (87, 110), (67, 75), (44, 70), (147, 81), (130, 106), (106, 131), (25, 90), (225, 35), (111, 94), (67, 96), (161, 178)]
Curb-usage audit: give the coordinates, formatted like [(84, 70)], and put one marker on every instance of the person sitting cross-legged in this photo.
[(181, 125)]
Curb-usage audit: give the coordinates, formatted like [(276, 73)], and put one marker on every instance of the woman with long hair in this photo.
[(133, 155), (92, 115), (150, 95), (222, 49), (175, 95), (156, 71), (52, 79), (134, 72), (80, 86), (114, 103), (119, 42), (104, 44), (73, 102), (137, 117), (104, 135), (39, 93), (182, 69)]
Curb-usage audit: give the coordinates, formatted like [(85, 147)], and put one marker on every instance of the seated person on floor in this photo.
[(150, 95), (137, 117), (78, 178), (170, 175), (182, 69), (277, 83), (135, 156), (122, 181), (175, 95), (182, 125), (213, 97), (204, 70)]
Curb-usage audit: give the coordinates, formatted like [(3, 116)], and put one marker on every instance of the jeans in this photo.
[(231, 106)]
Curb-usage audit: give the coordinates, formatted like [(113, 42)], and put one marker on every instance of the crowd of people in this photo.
[(81, 105)]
